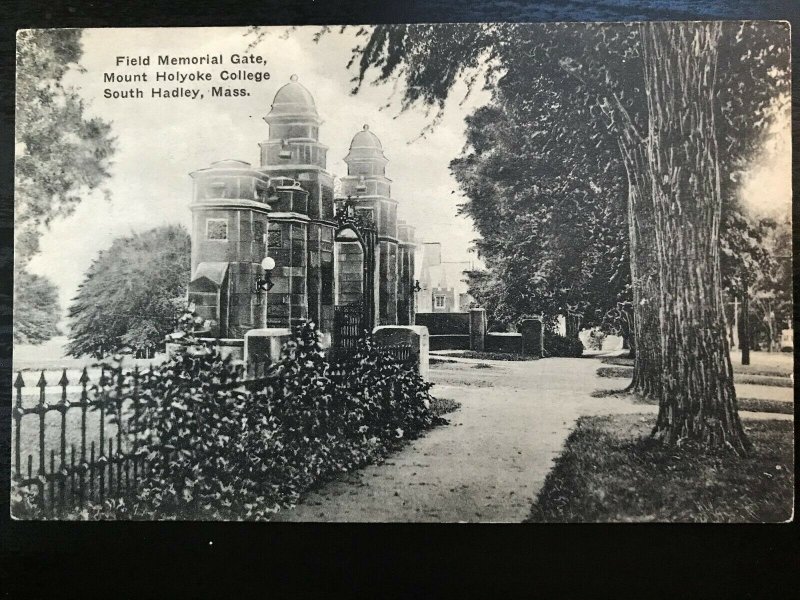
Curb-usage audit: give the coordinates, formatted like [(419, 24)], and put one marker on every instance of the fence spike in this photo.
[(42, 381), (84, 377), (63, 381), (19, 382)]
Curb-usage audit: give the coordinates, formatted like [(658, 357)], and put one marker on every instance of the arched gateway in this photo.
[(356, 252)]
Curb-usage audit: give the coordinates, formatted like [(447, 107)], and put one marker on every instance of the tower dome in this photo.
[(293, 100), (365, 147)]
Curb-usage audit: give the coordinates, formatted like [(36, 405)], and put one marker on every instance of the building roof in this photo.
[(365, 146), (213, 271), (230, 163), (293, 100), (365, 139)]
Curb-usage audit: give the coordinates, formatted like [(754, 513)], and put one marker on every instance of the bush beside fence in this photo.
[(198, 441), (558, 345)]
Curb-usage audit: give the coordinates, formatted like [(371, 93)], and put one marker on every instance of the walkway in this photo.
[(490, 462)]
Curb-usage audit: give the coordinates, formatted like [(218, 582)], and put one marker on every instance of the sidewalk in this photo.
[(489, 463)]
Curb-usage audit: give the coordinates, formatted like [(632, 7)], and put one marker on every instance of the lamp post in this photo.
[(265, 283)]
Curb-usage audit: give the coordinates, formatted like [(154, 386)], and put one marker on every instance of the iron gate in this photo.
[(348, 325)]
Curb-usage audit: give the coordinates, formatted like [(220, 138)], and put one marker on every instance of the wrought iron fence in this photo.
[(402, 353), (99, 468), (108, 466)]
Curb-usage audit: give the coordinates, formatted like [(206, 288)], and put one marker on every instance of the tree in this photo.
[(698, 400), (553, 237), (739, 69), (756, 271), (130, 294), (61, 154), (36, 309)]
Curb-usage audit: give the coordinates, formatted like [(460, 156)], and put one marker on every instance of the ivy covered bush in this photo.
[(217, 450), (558, 345)]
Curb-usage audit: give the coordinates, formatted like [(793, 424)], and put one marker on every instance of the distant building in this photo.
[(444, 285)]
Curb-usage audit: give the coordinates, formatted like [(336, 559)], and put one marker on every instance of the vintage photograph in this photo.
[(478, 272)]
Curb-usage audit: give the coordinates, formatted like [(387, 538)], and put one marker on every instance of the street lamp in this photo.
[(265, 283), (416, 287)]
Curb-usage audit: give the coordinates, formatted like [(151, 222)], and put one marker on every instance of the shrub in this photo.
[(219, 451), (596, 339), (23, 501), (558, 345)]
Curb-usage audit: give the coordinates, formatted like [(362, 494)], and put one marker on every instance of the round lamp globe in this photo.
[(268, 263)]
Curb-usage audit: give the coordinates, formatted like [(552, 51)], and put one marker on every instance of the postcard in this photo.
[(469, 272)]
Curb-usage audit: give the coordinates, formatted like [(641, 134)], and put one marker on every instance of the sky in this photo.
[(159, 142)]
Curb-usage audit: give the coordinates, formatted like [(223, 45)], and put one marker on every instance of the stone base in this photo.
[(477, 329), (415, 335), (262, 347), (532, 331), (510, 343)]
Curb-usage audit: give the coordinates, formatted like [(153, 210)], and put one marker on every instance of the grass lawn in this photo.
[(442, 406), (29, 433), (442, 361), (615, 372), (750, 404), (611, 471), (755, 379), (766, 364), (486, 355)]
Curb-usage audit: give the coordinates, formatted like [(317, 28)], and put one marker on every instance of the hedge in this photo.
[(558, 345), (218, 451)]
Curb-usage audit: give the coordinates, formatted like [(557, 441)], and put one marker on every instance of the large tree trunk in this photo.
[(698, 400), (644, 274), (644, 268)]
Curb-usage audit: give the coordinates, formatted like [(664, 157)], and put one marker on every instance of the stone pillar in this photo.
[(532, 332), (477, 328), (415, 335), (262, 347)]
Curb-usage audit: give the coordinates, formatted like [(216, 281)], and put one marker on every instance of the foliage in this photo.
[(483, 355), (61, 154), (36, 308), (772, 286), (756, 260), (219, 451), (554, 239), (558, 345), (581, 62), (546, 140), (128, 295), (596, 339), (24, 501)]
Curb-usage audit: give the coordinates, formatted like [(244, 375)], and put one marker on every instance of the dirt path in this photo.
[(490, 462)]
